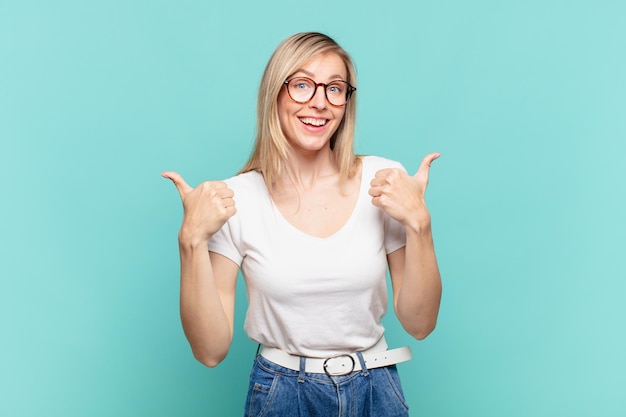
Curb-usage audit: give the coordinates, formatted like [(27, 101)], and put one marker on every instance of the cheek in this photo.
[(284, 107), (339, 115), (282, 113), (286, 120)]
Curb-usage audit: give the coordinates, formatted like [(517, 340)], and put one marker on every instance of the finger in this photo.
[(383, 172), (182, 187), (214, 185), (378, 182), (424, 168), (228, 202), (375, 191), (226, 193), (231, 211), (376, 201)]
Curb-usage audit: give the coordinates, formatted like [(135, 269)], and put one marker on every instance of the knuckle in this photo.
[(393, 175)]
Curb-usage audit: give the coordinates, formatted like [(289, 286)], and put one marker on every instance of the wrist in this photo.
[(187, 240), (418, 225)]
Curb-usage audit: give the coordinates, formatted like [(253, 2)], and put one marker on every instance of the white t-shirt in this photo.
[(311, 296)]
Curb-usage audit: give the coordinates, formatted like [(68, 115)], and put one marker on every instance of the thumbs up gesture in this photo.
[(206, 207), (402, 196)]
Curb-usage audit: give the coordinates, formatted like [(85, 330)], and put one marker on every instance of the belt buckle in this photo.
[(326, 365)]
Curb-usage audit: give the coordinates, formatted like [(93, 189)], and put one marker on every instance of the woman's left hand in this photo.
[(402, 196)]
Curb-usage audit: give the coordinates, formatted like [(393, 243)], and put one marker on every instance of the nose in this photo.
[(318, 100)]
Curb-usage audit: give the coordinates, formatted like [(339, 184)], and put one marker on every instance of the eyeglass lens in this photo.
[(303, 90)]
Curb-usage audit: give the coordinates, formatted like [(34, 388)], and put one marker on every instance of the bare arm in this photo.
[(414, 271), (416, 284), (207, 280), (207, 302)]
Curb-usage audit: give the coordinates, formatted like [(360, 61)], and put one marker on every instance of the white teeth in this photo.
[(312, 121)]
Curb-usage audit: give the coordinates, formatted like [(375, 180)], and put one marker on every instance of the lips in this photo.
[(312, 121)]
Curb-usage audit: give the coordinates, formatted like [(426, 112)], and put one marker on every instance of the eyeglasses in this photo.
[(303, 89)]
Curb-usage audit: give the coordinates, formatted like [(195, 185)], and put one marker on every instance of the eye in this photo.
[(301, 84), (336, 88)]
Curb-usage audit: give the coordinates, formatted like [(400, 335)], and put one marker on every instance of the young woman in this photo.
[(314, 229)]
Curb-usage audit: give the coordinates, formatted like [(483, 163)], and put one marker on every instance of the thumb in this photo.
[(424, 168), (182, 187)]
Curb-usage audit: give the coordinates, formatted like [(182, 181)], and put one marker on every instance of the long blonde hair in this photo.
[(271, 149)]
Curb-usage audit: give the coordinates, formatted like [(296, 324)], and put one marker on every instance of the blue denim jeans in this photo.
[(275, 391)]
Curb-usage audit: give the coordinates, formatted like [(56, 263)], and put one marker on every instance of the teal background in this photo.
[(525, 100)]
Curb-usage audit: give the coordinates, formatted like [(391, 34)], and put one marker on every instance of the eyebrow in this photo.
[(310, 74)]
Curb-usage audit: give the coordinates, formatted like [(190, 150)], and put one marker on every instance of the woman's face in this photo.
[(309, 126)]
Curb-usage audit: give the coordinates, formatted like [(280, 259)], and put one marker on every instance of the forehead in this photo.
[(324, 66)]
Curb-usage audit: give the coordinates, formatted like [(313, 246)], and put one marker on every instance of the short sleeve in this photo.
[(226, 243), (395, 236), (228, 240)]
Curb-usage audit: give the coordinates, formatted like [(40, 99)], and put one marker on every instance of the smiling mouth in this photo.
[(312, 121)]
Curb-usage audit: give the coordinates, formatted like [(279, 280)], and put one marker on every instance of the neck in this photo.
[(306, 168)]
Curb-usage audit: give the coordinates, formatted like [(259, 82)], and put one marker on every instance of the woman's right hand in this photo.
[(206, 208)]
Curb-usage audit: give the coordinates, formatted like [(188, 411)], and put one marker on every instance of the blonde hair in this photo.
[(271, 149)]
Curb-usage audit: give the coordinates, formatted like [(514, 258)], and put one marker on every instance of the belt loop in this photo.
[(359, 355), (302, 368)]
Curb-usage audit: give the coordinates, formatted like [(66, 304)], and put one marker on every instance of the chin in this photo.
[(312, 145)]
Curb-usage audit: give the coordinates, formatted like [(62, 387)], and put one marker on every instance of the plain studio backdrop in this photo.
[(525, 100)]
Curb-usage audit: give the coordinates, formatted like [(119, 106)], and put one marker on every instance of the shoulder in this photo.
[(372, 164), (247, 186), (248, 181)]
